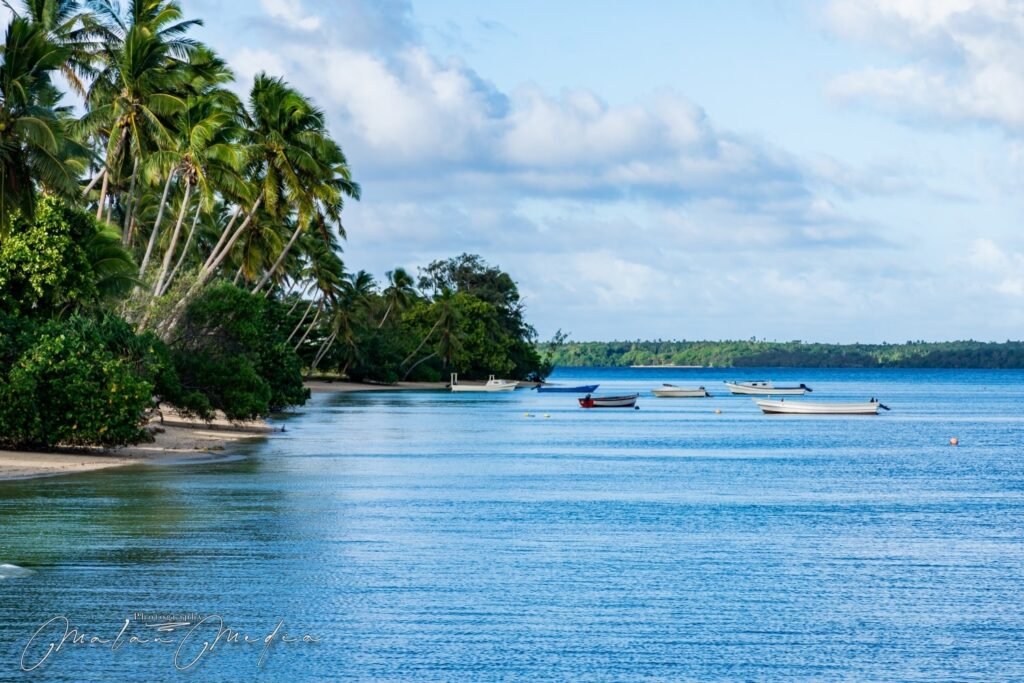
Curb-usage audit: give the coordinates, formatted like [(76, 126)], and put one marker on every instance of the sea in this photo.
[(431, 536)]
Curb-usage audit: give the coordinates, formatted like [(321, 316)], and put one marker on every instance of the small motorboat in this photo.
[(491, 385), (784, 407), (589, 401), (763, 387), (672, 391), (585, 389)]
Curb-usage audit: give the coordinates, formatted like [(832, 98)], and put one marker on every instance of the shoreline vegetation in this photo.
[(168, 243), (794, 354), (177, 440)]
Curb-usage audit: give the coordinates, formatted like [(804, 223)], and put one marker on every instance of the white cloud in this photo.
[(1002, 270), (291, 12), (963, 59)]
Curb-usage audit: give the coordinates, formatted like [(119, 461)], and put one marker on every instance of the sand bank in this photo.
[(321, 386), (176, 439)]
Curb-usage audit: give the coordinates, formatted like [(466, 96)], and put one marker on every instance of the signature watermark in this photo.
[(193, 637)]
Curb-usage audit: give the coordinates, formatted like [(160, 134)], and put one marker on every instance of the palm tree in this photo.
[(398, 293), (137, 89), (66, 25), (356, 290), (208, 158), (34, 149), (288, 152), (446, 321)]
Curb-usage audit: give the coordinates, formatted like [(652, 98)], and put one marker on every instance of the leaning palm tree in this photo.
[(34, 148), (68, 25), (288, 152), (398, 293), (208, 159), (138, 87)]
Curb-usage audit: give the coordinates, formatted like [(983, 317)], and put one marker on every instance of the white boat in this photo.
[(491, 385), (628, 401), (784, 407), (672, 391), (765, 388)]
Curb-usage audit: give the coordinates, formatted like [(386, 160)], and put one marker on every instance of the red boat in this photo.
[(589, 401)]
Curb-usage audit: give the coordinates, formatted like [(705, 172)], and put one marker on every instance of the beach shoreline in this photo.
[(342, 386), (177, 439)]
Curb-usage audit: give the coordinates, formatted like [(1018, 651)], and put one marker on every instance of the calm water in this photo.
[(431, 536)]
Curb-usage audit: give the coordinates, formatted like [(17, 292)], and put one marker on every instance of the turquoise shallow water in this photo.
[(432, 536)]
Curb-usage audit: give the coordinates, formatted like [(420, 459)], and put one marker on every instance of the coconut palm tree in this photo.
[(207, 158), (34, 148), (137, 89), (68, 25), (398, 293)]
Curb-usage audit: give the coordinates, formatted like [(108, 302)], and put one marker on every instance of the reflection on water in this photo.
[(437, 536)]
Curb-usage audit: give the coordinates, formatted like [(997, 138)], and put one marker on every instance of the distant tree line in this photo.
[(753, 353)]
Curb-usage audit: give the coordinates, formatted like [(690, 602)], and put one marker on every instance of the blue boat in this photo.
[(568, 390)]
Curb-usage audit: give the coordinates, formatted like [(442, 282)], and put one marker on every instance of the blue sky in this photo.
[(836, 171)]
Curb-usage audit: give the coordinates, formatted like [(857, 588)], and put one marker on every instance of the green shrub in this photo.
[(228, 351), (67, 386)]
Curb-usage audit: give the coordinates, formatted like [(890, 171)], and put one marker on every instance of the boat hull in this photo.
[(483, 388), (816, 408), (609, 401), (764, 389), (568, 390), (680, 392)]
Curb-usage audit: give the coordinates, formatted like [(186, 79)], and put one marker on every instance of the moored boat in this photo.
[(672, 391), (589, 401), (783, 407), (492, 385), (763, 387), (551, 389)]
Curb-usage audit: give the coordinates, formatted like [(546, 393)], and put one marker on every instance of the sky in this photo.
[(840, 171)]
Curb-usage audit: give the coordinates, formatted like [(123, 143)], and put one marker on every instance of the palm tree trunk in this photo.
[(295, 305), (413, 354), (103, 196), (302, 320), (385, 315), (156, 225), (129, 209), (216, 259), (205, 273), (319, 310), (169, 254), (324, 348), (106, 176), (416, 364), (238, 274), (225, 233), (280, 259), (184, 250), (92, 183)]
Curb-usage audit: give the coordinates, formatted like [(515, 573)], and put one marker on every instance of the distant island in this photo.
[(739, 354)]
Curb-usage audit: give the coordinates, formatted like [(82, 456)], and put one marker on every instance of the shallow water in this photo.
[(436, 536)]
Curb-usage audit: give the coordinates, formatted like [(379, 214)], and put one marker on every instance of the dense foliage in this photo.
[(75, 382), (467, 318), (230, 357), (175, 242), (959, 354)]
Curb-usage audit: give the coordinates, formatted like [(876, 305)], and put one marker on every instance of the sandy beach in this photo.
[(323, 386), (176, 439)]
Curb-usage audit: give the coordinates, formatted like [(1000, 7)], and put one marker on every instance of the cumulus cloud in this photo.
[(961, 59), (642, 217), (291, 12), (1001, 269)]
